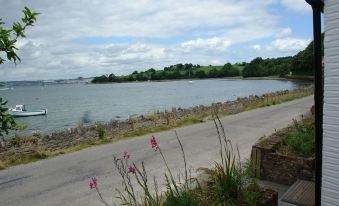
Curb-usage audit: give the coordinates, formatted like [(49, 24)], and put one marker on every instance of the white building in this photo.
[(330, 153)]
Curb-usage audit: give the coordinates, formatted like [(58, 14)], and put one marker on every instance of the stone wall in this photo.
[(85, 134), (284, 169)]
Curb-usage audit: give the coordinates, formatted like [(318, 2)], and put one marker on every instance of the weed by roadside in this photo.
[(101, 131), (300, 139)]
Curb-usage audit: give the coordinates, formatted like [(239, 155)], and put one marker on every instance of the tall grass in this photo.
[(232, 183), (300, 138)]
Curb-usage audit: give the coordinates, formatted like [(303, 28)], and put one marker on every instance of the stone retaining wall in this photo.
[(82, 134), (284, 169)]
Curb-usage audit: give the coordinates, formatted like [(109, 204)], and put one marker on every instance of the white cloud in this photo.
[(145, 18), (276, 48), (53, 48), (296, 5), (257, 47), (214, 43), (288, 45), (284, 32)]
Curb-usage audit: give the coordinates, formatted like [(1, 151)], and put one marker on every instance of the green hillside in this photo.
[(299, 64), (178, 71)]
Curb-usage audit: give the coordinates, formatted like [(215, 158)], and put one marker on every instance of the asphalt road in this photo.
[(63, 180)]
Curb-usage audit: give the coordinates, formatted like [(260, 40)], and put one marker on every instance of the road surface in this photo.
[(63, 180)]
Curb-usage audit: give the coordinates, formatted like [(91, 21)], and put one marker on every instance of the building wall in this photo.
[(330, 179)]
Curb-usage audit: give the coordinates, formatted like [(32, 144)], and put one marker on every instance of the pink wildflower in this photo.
[(131, 169), (125, 155), (154, 143), (93, 183)]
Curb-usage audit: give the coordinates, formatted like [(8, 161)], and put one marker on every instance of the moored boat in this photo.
[(20, 111)]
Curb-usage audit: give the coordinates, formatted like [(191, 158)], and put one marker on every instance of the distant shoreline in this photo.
[(287, 78)]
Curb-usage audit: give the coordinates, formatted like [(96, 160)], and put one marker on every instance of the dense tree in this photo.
[(214, 73), (254, 68), (299, 64), (141, 77), (151, 70), (200, 74), (302, 62), (259, 67), (229, 71), (8, 39), (100, 79)]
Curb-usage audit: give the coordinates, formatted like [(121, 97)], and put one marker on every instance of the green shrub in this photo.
[(225, 184), (227, 176), (2, 165), (101, 132), (251, 196), (183, 199), (39, 154), (15, 141), (302, 139)]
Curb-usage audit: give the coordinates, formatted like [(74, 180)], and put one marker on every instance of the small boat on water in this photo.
[(189, 77), (20, 111)]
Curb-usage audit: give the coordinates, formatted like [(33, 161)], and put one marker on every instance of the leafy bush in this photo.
[(226, 182), (6, 120), (15, 141), (183, 199), (251, 195), (101, 131), (298, 139), (8, 39), (302, 139)]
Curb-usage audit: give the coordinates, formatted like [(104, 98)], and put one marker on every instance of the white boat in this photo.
[(20, 111), (189, 77), (3, 89)]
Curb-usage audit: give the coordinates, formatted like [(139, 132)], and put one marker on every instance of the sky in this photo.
[(94, 37)]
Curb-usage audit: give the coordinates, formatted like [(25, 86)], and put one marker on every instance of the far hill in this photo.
[(299, 64), (178, 71)]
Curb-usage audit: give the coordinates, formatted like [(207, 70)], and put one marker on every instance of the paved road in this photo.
[(63, 180)]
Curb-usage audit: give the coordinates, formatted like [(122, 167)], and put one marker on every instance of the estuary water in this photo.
[(69, 104)]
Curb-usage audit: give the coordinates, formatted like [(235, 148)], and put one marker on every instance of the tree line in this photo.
[(177, 71), (299, 64)]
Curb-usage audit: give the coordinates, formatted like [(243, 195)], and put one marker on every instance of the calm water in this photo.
[(68, 104)]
